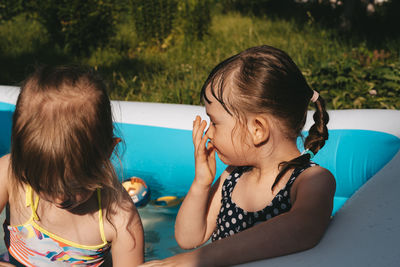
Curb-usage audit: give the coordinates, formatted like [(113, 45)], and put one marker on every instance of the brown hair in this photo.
[(265, 79), (63, 135)]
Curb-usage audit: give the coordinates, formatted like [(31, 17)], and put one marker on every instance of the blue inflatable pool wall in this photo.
[(163, 157)]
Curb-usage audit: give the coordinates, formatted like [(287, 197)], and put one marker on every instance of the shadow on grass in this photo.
[(352, 21), (125, 77), (14, 69)]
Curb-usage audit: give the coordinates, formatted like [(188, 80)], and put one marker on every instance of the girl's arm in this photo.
[(299, 229), (197, 215), (4, 180), (4, 191), (196, 219), (127, 246)]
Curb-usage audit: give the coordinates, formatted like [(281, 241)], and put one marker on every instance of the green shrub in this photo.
[(159, 22), (195, 18), (78, 26), (259, 7), (347, 74), (21, 34), (359, 79), (154, 19), (11, 8)]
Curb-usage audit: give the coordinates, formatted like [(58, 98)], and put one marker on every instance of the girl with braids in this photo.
[(272, 199), (65, 202)]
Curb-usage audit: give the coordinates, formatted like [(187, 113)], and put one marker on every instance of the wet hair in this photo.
[(265, 80), (63, 136)]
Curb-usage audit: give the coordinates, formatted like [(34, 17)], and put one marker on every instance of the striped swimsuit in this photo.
[(31, 245)]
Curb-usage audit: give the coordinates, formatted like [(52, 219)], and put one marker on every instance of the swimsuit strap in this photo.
[(101, 224), (33, 204), (30, 203)]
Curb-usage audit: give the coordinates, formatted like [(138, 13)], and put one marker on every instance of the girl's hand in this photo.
[(204, 154)]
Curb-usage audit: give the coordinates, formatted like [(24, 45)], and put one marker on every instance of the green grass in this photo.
[(348, 74), (176, 75)]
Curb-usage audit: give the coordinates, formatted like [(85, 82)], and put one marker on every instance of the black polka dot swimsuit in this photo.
[(232, 219)]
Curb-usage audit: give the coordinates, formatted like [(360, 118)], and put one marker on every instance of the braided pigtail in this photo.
[(317, 135)]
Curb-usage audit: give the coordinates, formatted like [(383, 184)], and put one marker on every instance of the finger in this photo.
[(211, 155), (203, 142), (203, 126), (199, 138), (212, 163), (195, 125), (198, 131)]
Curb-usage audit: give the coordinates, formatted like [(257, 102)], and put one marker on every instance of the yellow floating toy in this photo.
[(137, 190), (167, 201)]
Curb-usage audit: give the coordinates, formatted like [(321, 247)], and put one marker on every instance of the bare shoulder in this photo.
[(4, 162), (123, 216), (317, 174), (5, 169), (4, 180), (125, 232), (316, 181)]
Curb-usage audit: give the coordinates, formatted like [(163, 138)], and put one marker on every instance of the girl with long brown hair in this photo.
[(66, 204)]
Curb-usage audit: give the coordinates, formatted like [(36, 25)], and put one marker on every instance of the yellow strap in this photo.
[(101, 224), (28, 196), (29, 202)]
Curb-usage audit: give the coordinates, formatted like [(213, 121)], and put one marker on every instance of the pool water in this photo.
[(159, 221), (158, 224)]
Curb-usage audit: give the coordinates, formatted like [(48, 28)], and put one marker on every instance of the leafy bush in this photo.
[(11, 8), (20, 35), (154, 19), (77, 26), (359, 79), (158, 22), (347, 74), (259, 7), (195, 18)]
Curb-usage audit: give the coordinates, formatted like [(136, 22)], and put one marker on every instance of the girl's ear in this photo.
[(116, 141), (259, 130)]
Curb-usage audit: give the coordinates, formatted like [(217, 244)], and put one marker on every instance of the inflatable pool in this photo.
[(362, 152)]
